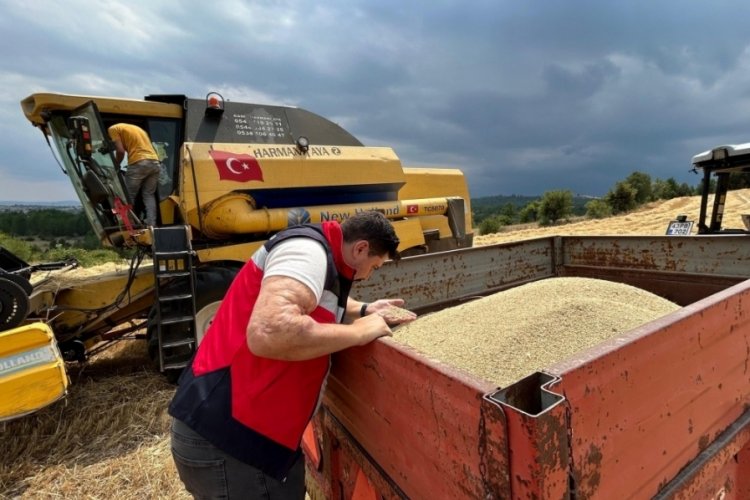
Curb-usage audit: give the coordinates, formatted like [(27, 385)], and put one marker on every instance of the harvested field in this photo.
[(651, 220)]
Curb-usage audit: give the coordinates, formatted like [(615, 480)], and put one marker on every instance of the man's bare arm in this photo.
[(281, 328), (119, 152)]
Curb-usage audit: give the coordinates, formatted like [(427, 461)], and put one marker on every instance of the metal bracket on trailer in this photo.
[(538, 437)]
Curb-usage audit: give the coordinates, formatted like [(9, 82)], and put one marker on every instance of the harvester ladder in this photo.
[(175, 296)]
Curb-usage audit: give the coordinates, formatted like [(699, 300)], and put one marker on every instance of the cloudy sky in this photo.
[(524, 97)]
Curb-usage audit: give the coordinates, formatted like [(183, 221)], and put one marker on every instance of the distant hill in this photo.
[(46, 204), (486, 206), (26, 206)]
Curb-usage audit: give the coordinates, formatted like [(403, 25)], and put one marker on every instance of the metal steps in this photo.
[(175, 298)]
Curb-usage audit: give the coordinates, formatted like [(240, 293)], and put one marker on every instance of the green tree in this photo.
[(738, 180), (598, 209), (554, 206), (529, 213), (621, 198), (508, 212), (642, 184), (685, 189), (664, 190), (489, 225)]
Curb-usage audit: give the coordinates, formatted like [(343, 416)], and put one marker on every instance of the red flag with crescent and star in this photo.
[(236, 166)]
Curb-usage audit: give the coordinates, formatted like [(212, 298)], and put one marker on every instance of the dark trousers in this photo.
[(209, 473)]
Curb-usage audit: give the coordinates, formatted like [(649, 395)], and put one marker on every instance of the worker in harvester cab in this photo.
[(143, 164), (257, 378)]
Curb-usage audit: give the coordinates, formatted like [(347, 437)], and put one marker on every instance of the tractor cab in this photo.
[(720, 162)]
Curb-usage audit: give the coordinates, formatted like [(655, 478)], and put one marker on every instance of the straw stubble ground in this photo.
[(106, 439), (109, 437)]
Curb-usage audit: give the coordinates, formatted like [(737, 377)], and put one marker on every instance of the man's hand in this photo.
[(391, 311), (372, 327)]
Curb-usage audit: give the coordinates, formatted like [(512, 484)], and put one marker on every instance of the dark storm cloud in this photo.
[(524, 97)]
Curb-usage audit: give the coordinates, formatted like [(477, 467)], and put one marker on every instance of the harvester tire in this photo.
[(19, 280), (211, 284), (14, 304)]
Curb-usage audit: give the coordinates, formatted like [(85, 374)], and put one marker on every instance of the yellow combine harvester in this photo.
[(233, 174)]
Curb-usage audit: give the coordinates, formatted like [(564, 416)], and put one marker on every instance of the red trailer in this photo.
[(660, 411)]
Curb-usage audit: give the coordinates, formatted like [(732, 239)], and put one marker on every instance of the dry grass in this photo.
[(109, 438)]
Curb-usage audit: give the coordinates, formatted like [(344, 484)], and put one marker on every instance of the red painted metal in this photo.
[(720, 471), (424, 423), (363, 488), (643, 405), (346, 469), (311, 446)]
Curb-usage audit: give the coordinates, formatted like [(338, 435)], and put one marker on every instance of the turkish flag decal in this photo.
[(412, 209), (236, 167)]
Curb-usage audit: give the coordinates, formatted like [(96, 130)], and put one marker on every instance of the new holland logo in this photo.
[(236, 167)]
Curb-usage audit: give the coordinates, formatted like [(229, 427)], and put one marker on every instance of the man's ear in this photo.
[(361, 248)]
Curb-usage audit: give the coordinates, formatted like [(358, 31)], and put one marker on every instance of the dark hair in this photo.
[(374, 228)]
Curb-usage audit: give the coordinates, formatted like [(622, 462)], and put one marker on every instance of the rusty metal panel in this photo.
[(680, 288), (432, 280), (425, 424), (646, 403), (706, 255), (717, 472), (683, 269)]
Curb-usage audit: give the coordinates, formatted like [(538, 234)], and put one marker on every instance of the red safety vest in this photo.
[(251, 407)]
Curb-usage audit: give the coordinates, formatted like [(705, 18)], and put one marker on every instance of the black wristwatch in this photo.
[(363, 310)]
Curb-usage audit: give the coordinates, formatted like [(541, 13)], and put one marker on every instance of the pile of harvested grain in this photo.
[(109, 438), (506, 336)]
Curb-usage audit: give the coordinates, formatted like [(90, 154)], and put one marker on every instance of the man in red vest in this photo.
[(257, 378)]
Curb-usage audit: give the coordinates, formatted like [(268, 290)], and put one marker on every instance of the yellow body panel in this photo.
[(36, 104), (92, 299), (32, 372), (409, 233), (282, 169), (426, 182), (238, 253)]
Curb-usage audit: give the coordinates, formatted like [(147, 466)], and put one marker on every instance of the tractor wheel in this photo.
[(211, 283)]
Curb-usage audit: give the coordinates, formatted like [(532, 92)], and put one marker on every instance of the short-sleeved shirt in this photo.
[(135, 140), (303, 259)]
